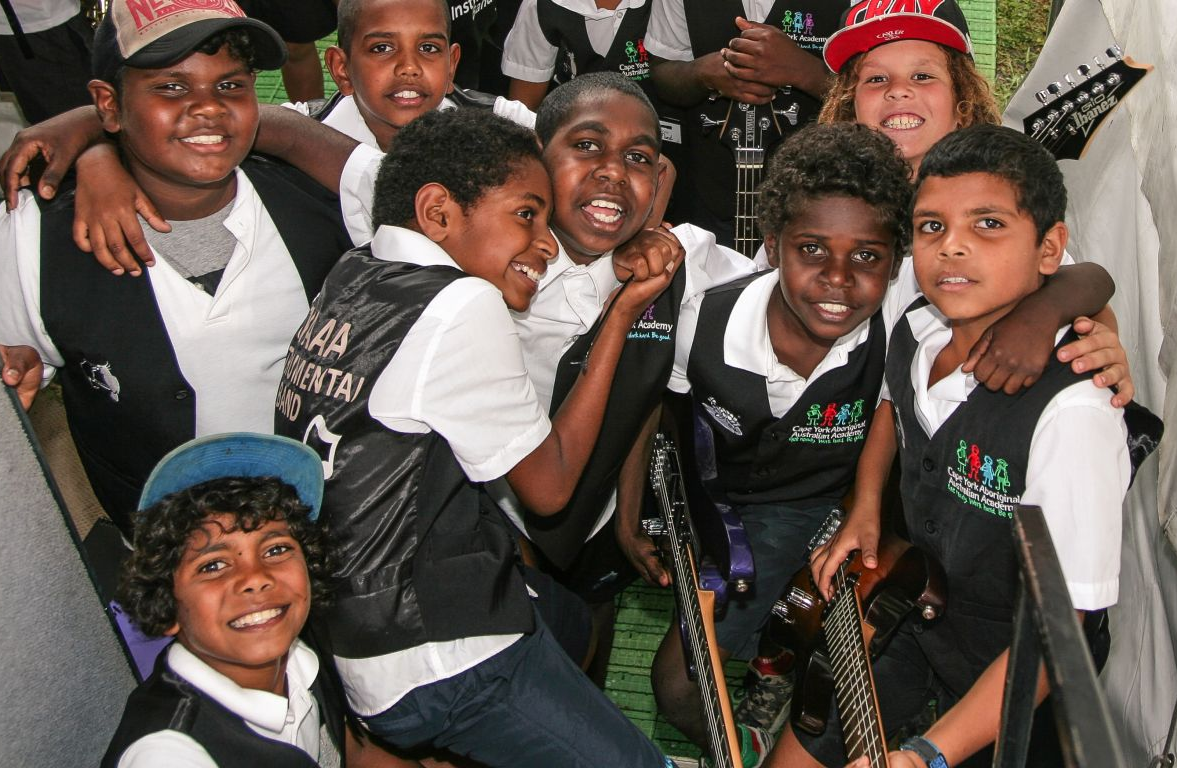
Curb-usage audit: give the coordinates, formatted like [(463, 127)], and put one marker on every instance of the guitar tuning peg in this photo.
[(1098, 61), (708, 123), (928, 612), (1115, 52), (1055, 88), (1084, 71), (1043, 96), (1069, 80)]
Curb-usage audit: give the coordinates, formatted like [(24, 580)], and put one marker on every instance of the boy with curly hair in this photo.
[(228, 560)]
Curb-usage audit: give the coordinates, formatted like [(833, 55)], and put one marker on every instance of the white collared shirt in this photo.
[(667, 36), (292, 719), (1077, 471), (570, 299), (459, 371), (40, 15), (230, 346), (746, 345), (527, 54)]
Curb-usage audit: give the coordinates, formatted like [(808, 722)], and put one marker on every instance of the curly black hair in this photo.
[(837, 159), (162, 532), (467, 151), (349, 12), (1024, 163), (238, 41), (556, 108)]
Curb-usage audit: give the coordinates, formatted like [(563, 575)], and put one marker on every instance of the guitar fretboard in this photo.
[(666, 481), (862, 730)]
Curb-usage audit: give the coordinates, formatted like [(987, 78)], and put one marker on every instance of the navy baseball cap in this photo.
[(868, 24), (238, 454), (151, 35)]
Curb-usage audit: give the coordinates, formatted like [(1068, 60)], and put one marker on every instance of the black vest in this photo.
[(565, 29), (167, 702), (642, 372), (960, 488), (471, 27), (711, 26), (107, 326), (811, 451), (423, 555)]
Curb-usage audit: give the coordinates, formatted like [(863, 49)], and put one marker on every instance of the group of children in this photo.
[(482, 373)]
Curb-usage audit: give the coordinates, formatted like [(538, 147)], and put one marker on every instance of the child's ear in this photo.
[(1050, 252), (455, 57), (336, 60), (770, 244), (172, 631), (106, 101), (434, 208)]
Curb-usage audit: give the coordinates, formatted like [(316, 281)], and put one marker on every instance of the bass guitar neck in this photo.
[(695, 605)]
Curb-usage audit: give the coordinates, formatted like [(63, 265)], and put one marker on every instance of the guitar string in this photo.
[(856, 696)]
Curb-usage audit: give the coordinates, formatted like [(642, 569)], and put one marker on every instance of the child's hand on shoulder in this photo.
[(648, 254), (1013, 352), (105, 207), (1101, 350), (58, 141)]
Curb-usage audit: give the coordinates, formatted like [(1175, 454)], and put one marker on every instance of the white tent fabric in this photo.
[(1122, 195)]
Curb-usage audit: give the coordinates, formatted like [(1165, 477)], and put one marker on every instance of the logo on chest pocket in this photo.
[(99, 376)]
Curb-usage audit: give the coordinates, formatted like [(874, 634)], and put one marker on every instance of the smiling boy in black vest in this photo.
[(196, 347)]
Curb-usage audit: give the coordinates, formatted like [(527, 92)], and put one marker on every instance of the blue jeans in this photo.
[(527, 706), (779, 536)]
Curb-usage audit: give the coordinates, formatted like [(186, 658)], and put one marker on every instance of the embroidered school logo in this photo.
[(981, 481), (649, 328), (637, 65), (723, 417), (832, 424), (100, 376), (801, 26)]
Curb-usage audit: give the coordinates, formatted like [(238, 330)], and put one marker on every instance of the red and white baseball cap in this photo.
[(868, 24), (149, 34)]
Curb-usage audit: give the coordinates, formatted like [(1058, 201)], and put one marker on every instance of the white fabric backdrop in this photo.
[(1121, 215)]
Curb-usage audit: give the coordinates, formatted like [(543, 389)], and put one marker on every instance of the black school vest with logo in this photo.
[(565, 29), (424, 556), (127, 401), (167, 702), (960, 488), (811, 451), (642, 372), (711, 26)]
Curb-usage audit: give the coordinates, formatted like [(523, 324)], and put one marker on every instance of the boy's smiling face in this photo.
[(503, 237), (604, 167), (834, 261), (184, 129), (400, 66), (241, 599), (905, 90), (976, 251)]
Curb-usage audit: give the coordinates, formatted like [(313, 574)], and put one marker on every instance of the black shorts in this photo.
[(295, 21)]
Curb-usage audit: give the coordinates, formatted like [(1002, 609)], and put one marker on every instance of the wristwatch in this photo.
[(927, 751)]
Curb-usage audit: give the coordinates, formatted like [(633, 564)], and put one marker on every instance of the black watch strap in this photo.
[(927, 751)]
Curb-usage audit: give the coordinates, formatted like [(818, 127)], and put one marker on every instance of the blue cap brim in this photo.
[(238, 454)]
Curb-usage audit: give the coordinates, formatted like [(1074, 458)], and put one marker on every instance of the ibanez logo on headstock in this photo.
[(1071, 115)]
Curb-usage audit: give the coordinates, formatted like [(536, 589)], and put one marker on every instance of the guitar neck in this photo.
[(748, 175), (854, 685), (695, 606)]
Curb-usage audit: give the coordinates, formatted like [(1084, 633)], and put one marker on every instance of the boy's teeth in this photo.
[(203, 139), (954, 280), (602, 215), (531, 273), (833, 308), (406, 94), (903, 122), (258, 617)]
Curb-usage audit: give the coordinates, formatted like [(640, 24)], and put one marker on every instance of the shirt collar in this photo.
[(346, 118), (589, 10), (401, 244), (746, 344), (261, 708)]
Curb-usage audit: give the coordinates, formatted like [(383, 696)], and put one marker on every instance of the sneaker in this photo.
[(755, 744), (766, 700)]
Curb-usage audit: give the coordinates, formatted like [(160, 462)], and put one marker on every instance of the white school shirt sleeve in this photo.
[(666, 34), (527, 54), (20, 283), (166, 749), (460, 372), (1078, 472), (357, 184)]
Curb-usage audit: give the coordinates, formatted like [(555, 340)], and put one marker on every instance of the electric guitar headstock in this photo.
[(749, 131), (1071, 114)]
